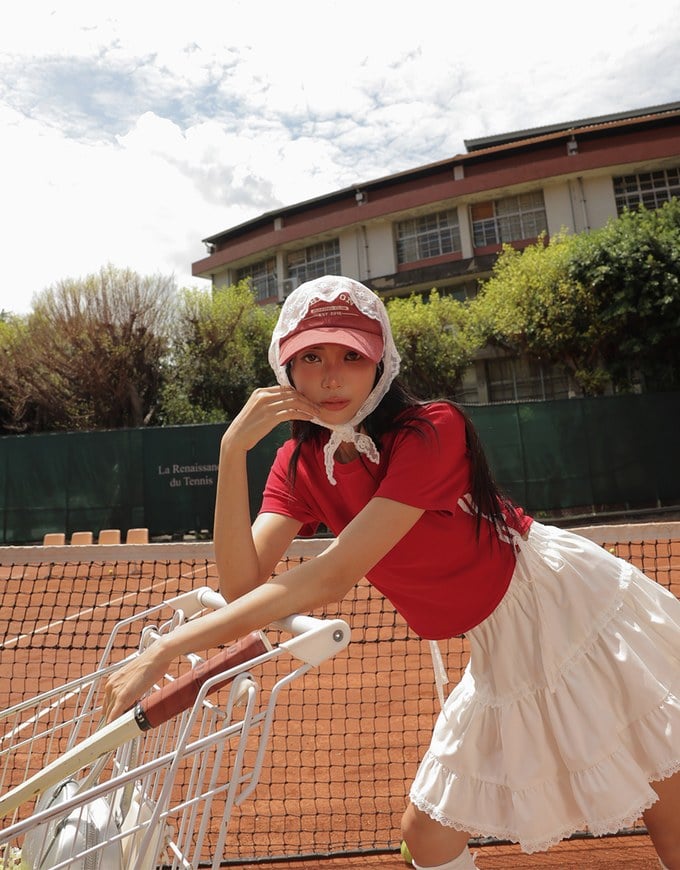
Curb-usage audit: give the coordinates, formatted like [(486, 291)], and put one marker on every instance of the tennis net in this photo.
[(348, 737)]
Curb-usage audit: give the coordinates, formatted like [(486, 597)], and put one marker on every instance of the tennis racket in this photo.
[(150, 712)]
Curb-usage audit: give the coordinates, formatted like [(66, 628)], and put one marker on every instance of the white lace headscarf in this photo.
[(294, 309)]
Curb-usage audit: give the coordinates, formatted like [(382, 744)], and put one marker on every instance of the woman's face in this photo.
[(338, 379)]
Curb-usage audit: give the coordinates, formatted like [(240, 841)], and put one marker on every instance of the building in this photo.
[(442, 225)]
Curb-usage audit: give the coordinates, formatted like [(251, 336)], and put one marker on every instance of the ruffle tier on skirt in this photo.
[(570, 704)]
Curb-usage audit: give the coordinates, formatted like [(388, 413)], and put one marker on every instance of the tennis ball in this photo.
[(405, 854)]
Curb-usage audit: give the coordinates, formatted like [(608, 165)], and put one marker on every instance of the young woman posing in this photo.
[(568, 713)]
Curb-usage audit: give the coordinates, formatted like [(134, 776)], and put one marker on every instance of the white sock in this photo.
[(463, 862)]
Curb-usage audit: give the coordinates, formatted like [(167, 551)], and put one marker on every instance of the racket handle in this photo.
[(179, 695), (106, 739)]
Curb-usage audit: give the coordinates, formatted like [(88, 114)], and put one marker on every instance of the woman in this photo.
[(568, 713)]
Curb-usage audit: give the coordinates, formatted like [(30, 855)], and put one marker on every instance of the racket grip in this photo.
[(179, 695)]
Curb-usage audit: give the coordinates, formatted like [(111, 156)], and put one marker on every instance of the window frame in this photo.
[(520, 210), (648, 189), (425, 237), (522, 379), (263, 278), (314, 261)]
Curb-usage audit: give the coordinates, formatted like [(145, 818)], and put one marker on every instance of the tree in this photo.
[(532, 305), (10, 329), (432, 337), (90, 354), (604, 304), (632, 268), (219, 355)]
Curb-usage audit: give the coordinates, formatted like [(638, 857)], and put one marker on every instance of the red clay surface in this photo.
[(610, 853), (348, 735)]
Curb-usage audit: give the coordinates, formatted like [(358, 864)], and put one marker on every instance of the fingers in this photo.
[(266, 408), (287, 403), (122, 689), (108, 705), (112, 707), (132, 680), (269, 406)]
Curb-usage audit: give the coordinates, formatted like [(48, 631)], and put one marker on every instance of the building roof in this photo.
[(569, 126), (479, 149)]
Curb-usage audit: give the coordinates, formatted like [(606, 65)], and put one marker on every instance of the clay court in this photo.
[(347, 737), (610, 853)]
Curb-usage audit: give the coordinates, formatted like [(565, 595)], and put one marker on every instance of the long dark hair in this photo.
[(399, 409)]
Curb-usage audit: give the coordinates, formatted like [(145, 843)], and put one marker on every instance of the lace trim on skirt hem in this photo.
[(597, 827), (610, 826)]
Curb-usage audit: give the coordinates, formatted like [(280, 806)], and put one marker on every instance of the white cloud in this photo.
[(131, 134)]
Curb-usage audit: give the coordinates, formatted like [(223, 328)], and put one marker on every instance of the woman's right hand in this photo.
[(243, 564), (264, 410), (124, 687)]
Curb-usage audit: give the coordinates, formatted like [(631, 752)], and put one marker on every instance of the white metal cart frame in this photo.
[(128, 808)]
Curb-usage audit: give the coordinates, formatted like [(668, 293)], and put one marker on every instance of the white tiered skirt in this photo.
[(570, 704)]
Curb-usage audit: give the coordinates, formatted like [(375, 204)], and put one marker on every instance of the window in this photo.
[(466, 389), (313, 262), (508, 219), (262, 278), (428, 236), (516, 380), (462, 292), (650, 189)]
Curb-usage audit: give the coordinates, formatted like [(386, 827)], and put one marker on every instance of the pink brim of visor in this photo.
[(367, 344)]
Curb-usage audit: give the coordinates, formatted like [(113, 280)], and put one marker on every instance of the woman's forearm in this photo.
[(238, 563), (323, 580), (235, 554), (302, 589)]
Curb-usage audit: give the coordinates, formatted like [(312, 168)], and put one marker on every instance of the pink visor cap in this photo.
[(337, 322)]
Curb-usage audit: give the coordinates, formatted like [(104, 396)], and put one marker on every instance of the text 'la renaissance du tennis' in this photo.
[(185, 475)]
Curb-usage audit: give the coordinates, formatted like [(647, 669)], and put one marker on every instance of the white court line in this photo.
[(81, 613), (16, 731), (299, 548)]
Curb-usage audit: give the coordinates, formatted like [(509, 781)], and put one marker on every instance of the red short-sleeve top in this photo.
[(440, 578)]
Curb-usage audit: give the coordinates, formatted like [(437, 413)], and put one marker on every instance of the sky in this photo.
[(130, 131)]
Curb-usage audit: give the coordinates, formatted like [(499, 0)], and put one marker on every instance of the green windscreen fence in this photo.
[(588, 455), (612, 453), (163, 479)]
